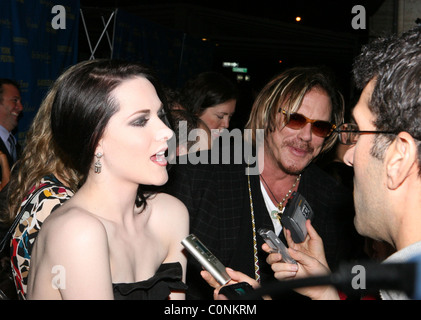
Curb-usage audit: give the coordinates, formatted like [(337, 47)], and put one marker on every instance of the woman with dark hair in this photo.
[(112, 239), (212, 97)]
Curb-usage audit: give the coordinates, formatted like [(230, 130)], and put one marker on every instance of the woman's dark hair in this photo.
[(207, 90), (83, 105)]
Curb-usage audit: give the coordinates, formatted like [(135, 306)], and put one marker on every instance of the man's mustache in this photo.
[(305, 146)]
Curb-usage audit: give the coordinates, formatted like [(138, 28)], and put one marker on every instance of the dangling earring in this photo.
[(98, 163)]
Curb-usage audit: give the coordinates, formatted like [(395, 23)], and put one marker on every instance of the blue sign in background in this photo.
[(32, 52)]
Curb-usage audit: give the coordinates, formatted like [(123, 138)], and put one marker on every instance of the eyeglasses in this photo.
[(319, 127), (349, 133)]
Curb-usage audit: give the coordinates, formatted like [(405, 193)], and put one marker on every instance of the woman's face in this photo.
[(135, 139), (218, 117)]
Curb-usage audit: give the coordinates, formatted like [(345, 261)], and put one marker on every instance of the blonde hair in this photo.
[(39, 158), (287, 91)]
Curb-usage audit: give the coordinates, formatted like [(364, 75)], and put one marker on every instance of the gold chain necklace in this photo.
[(253, 225), (280, 205)]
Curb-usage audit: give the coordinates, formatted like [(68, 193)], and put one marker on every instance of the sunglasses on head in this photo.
[(319, 127)]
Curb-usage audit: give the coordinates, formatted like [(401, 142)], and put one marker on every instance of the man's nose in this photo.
[(226, 122), (19, 105), (305, 133)]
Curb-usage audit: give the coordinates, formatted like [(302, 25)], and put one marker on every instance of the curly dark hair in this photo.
[(394, 62)]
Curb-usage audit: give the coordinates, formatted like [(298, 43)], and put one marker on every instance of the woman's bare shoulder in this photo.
[(72, 222), (168, 205)]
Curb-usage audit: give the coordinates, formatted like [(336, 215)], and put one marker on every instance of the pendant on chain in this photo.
[(274, 214), (278, 213)]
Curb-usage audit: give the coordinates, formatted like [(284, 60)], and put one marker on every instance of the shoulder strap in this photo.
[(18, 217)]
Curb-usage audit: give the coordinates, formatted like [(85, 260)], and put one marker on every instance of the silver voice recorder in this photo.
[(276, 244), (202, 254)]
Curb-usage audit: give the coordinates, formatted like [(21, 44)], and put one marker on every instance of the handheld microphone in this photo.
[(352, 279)]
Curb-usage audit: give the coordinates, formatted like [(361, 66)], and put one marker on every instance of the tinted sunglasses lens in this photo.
[(296, 121), (321, 128)]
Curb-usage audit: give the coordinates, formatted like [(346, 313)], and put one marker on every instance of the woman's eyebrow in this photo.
[(147, 111)]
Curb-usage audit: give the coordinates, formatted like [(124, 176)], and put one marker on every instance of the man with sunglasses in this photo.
[(298, 110), (385, 152)]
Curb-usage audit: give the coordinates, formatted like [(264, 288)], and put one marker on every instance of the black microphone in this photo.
[(355, 279)]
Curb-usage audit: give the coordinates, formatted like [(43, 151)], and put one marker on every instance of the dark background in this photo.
[(257, 35)]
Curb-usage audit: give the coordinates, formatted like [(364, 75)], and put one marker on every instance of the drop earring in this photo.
[(98, 163)]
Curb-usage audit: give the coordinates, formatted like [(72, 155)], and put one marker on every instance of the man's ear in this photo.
[(401, 158)]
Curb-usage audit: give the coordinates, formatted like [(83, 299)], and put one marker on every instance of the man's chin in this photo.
[(295, 167), (293, 170)]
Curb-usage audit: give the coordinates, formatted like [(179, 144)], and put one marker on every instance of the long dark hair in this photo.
[(83, 106)]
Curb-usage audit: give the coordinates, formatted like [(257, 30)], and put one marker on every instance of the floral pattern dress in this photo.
[(52, 195)]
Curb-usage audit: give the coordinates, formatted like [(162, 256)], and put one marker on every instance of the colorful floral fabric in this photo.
[(53, 195)]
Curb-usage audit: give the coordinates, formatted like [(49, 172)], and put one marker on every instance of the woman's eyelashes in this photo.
[(221, 116), (141, 121)]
